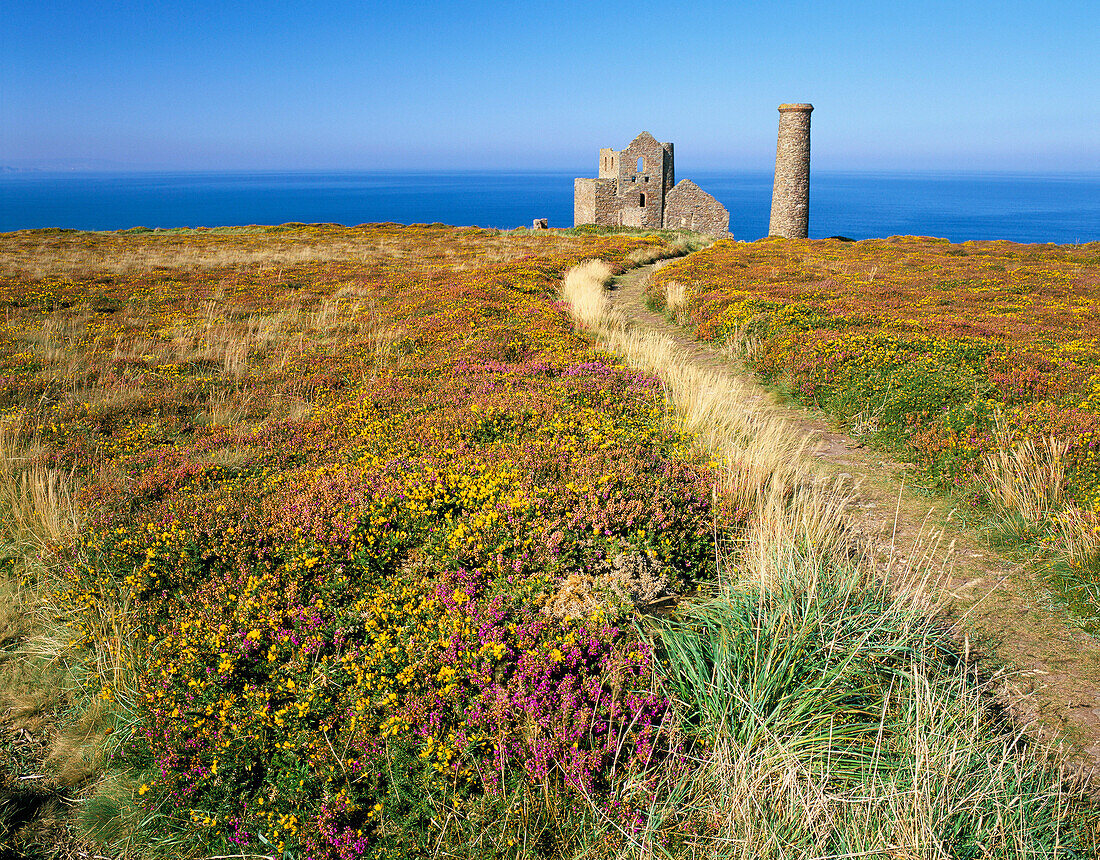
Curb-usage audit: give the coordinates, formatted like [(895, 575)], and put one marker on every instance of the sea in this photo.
[(1021, 207)]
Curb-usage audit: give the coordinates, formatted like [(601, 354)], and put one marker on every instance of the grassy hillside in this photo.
[(328, 542), (979, 362)]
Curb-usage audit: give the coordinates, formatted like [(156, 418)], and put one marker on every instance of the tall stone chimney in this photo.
[(791, 192)]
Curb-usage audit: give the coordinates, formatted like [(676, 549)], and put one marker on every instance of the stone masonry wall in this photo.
[(689, 207), (790, 216), (584, 201), (629, 195), (647, 184), (594, 202), (607, 206), (609, 164), (622, 194)]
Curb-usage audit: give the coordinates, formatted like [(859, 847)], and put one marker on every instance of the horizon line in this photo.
[(15, 170)]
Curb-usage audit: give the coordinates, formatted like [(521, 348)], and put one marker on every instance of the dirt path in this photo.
[(1053, 668)]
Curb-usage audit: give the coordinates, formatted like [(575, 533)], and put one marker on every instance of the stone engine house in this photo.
[(635, 188)]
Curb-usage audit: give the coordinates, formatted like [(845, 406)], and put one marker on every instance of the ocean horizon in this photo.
[(959, 206)]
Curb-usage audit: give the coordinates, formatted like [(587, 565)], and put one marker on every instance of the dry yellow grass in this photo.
[(36, 503), (762, 460), (1027, 479), (589, 305), (1077, 535), (41, 254), (677, 301), (751, 800)]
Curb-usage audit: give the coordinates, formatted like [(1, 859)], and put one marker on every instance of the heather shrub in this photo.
[(379, 535)]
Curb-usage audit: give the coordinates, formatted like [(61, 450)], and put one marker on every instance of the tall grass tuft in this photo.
[(589, 306), (36, 504), (67, 709), (831, 719), (1027, 480), (1075, 566), (677, 301), (1078, 536)]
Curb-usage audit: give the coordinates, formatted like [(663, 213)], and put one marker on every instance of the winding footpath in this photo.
[(1049, 668)]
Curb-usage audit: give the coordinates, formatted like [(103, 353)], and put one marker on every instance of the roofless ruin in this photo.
[(636, 187)]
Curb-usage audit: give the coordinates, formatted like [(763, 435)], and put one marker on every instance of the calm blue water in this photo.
[(1024, 208)]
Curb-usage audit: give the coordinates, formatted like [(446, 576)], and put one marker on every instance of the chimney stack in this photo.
[(791, 192)]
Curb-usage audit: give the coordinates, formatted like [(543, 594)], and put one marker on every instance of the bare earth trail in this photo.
[(1053, 667)]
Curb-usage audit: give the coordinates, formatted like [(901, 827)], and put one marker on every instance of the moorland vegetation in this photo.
[(396, 541), (978, 362)]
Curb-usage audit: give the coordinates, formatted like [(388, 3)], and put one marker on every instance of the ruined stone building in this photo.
[(635, 189)]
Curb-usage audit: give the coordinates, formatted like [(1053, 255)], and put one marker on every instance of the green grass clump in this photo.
[(831, 719)]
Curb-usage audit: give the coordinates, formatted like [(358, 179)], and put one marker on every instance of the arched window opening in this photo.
[(640, 160)]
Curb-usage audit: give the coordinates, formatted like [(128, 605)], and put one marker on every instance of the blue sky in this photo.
[(326, 84)]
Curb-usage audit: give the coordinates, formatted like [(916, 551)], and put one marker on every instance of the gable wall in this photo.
[(689, 207), (651, 181)]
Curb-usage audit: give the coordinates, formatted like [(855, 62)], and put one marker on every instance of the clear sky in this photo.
[(965, 84)]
